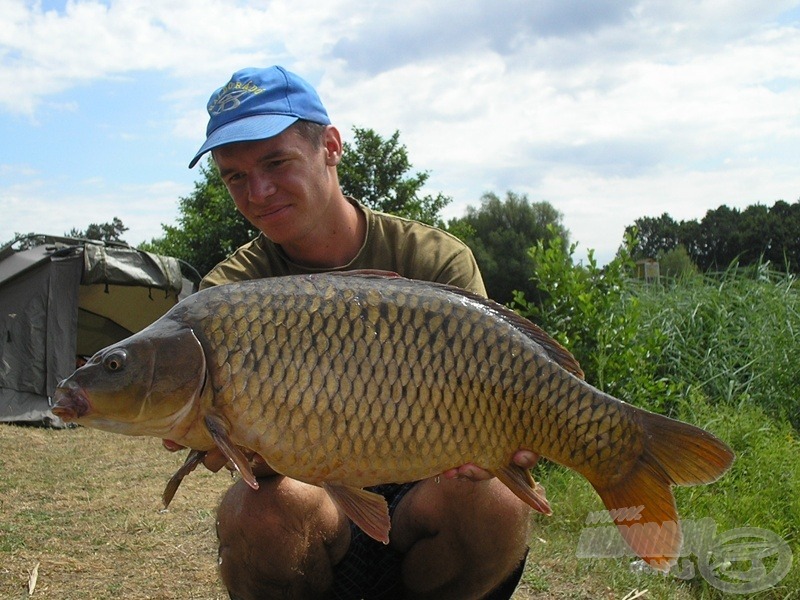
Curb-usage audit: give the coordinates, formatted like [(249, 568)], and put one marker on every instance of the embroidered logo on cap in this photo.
[(232, 95)]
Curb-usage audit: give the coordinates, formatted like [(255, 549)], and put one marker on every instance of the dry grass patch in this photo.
[(85, 506)]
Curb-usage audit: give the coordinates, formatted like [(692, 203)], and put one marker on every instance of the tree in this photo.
[(785, 247), (500, 234), (719, 238), (654, 235), (676, 263), (209, 226), (107, 232), (726, 235), (374, 171)]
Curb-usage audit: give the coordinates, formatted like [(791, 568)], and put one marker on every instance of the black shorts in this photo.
[(371, 570)]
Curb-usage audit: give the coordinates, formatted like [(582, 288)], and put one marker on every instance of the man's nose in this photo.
[(261, 187)]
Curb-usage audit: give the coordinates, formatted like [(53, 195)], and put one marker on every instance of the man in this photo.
[(459, 536)]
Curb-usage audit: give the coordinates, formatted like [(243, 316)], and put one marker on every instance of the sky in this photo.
[(610, 110)]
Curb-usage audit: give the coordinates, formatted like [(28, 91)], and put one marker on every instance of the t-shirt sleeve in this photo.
[(462, 271)]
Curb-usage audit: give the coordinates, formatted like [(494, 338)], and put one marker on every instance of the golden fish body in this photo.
[(403, 386), (352, 380)]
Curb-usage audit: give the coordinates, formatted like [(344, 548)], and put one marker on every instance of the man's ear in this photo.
[(333, 146)]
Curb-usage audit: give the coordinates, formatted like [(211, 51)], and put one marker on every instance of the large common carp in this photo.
[(350, 380)]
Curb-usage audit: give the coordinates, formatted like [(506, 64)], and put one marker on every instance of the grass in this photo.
[(85, 506), (762, 490)]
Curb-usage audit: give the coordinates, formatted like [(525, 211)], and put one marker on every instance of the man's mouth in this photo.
[(272, 212)]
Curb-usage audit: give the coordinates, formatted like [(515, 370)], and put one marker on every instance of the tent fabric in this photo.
[(38, 313), (67, 299), (128, 266)]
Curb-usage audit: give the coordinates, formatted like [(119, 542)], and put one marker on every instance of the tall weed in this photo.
[(734, 336)]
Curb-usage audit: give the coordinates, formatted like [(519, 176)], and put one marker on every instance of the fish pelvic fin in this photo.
[(366, 509), (219, 433), (521, 482), (642, 504), (194, 458)]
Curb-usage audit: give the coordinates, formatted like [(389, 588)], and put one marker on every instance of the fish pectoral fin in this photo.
[(194, 458), (520, 481), (366, 509), (219, 433)]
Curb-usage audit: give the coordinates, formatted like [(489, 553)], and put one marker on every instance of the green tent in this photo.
[(62, 300)]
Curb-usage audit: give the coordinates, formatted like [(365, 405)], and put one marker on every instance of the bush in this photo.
[(592, 312)]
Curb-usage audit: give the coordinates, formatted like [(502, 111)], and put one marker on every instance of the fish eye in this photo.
[(115, 360)]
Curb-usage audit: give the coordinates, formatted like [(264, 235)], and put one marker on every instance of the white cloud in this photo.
[(45, 51)]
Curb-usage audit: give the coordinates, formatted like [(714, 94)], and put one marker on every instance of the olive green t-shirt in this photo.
[(408, 248)]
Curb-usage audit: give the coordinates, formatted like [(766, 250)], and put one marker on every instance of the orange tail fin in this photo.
[(675, 453)]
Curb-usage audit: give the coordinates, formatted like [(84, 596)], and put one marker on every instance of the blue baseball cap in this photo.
[(257, 104)]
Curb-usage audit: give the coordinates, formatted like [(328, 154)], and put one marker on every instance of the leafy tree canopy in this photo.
[(500, 233), (654, 235), (726, 235), (107, 232), (375, 170), (209, 225)]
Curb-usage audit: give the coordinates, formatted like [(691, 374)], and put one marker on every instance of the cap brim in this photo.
[(248, 129)]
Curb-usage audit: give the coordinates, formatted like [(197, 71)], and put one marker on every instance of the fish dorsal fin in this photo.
[(552, 348), (366, 509), (219, 433)]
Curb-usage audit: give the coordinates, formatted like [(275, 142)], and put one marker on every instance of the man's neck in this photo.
[(337, 243)]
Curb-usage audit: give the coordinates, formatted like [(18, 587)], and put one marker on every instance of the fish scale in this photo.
[(433, 331), (352, 380)]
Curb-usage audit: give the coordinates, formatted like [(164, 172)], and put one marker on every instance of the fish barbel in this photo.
[(347, 380)]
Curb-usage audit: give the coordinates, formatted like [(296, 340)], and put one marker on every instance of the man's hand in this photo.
[(522, 458)]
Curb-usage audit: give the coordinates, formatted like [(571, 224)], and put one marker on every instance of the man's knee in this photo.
[(279, 540), (477, 536)]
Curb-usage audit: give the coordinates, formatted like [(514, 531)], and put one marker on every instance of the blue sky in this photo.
[(610, 110)]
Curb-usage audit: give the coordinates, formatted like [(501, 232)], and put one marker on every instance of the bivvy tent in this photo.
[(63, 299)]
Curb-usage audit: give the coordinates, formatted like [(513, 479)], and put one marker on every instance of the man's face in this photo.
[(282, 185)]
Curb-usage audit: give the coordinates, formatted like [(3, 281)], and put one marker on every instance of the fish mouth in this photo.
[(70, 403)]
